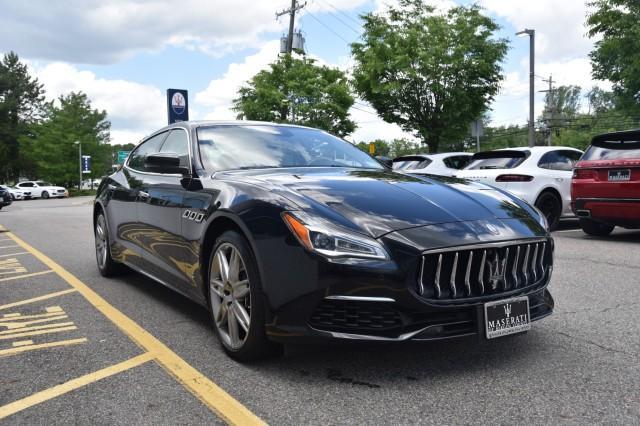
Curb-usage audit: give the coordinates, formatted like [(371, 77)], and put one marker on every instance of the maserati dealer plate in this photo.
[(505, 317)]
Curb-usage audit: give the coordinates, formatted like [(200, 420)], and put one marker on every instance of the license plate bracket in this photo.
[(619, 175), (508, 316)]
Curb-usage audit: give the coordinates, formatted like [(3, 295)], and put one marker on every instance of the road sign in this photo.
[(86, 164), (372, 148), (122, 156), (177, 105)]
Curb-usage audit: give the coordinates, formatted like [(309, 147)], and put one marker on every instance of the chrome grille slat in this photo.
[(484, 270), (534, 261), (467, 284), (437, 280), (481, 273), (452, 281)]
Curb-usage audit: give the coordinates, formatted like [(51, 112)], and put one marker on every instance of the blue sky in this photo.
[(125, 53)]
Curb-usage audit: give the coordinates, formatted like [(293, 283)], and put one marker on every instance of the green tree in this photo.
[(616, 54), (561, 106), (21, 98), (600, 100), (298, 91), (431, 74), (50, 150), (404, 147)]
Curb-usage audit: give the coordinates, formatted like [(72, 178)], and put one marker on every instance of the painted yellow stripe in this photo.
[(37, 299), (36, 327), (63, 388), (14, 254), (7, 352), (214, 397), (35, 274), (37, 332)]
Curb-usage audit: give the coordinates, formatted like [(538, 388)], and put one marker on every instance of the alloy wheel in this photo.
[(230, 295), (101, 241)]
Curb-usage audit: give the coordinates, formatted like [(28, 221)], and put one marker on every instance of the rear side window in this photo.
[(559, 160), (600, 153), (458, 162), (178, 143), (150, 146), (411, 164), (505, 162)]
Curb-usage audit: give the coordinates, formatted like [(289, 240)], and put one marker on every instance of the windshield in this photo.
[(507, 162), (410, 164), (264, 146), (598, 153), (43, 183)]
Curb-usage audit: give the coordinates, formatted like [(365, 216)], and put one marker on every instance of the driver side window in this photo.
[(150, 146)]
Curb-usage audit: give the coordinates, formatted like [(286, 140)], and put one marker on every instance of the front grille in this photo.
[(483, 271), (351, 316)]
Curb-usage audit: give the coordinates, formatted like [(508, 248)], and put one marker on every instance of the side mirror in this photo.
[(385, 161), (165, 162)]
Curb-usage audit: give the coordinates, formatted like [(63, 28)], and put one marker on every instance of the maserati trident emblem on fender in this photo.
[(497, 269)]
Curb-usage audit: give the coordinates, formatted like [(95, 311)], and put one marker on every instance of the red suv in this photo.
[(605, 190)]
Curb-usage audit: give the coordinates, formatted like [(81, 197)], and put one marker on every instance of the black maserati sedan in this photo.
[(5, 198), (287, 233)]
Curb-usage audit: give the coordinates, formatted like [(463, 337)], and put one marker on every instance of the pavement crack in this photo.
[(603, 347), (610, 308), (599, 262), (336, 376)]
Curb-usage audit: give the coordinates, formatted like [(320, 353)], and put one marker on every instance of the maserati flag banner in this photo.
[(177, 105)]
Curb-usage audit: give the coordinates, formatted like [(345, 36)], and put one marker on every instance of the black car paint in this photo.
[(409, 214), (5, 198)]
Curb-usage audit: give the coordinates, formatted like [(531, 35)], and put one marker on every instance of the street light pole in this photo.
[(532, 42), (79, 163)]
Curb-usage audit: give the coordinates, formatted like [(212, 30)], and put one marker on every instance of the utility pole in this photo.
[(532, 43), (550, 108), (292, 17)]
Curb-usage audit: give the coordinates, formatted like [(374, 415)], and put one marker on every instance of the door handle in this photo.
[(143, 195)]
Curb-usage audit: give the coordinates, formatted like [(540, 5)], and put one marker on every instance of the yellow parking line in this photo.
[(35, 274), (63, 388), (13, 351), (214, 397), (14, 254), (37, 299), (38, 332)]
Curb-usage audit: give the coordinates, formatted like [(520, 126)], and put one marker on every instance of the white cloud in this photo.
[(371, 127), (106, 31), (134, 109)]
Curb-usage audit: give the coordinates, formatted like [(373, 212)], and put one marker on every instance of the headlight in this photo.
[(321, 236)]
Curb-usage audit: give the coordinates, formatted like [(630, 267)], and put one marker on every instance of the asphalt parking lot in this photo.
[(79, 348)]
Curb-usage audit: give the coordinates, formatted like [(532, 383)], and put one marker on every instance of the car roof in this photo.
[(536, 149), (432, 156)]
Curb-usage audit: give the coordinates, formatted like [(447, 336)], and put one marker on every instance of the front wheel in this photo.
[(45, 195), (236, 299), (597, 229), (551, 207), (106, 265)]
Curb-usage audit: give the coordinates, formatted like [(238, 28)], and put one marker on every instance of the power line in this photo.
[(364, 110), (341, 12), (328, 27), (341, 20)]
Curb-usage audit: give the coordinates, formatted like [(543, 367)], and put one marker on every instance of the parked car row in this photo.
[(600, 186), (34, 189)]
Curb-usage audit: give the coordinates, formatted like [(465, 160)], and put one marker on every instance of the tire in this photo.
[(228, 295), (551, 206), (44, 195), (597, 229), (106, 265)]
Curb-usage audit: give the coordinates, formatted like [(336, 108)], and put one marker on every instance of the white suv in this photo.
[(40, 189)]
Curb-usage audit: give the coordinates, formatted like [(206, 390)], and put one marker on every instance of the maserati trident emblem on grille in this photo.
[(497, 269)]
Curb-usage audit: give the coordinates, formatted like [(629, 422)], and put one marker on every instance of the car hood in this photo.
[(380, 202)]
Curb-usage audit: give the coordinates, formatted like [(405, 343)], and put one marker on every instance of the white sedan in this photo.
[(446, 164), (16, 194), (540, 175), (41, 189)]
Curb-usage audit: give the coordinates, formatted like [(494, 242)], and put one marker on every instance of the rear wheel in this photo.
[(106, 265), (596, 228), (551, 207), (236, 299), (45, 195)]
